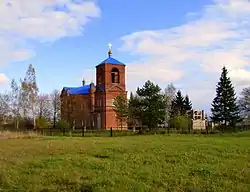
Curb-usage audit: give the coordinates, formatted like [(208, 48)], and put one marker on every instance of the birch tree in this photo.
[(56, 106), (15, 102), (170, 92), (244, 103), (45, 107), (24, 102), (4, 106), (30, 91)]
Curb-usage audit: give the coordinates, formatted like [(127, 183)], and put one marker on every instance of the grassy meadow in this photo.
[(134, 163)]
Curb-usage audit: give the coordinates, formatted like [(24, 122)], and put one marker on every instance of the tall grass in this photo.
[(18, 135)]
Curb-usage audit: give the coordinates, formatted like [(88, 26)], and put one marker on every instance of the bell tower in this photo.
[(110, 83)]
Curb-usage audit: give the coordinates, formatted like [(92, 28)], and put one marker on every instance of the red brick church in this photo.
[(91, 105)]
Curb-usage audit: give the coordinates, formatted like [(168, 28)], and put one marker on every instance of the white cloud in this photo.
[(156, 70), (21, 55), (201, 94), (23, 21), (45, 19), (3, 78), (240, 77), (218, 35), (89, 75)]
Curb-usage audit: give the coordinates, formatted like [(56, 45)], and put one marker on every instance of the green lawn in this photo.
[(133, 163)]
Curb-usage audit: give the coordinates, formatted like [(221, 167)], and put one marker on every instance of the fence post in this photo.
[(111, 132), (189, 127)]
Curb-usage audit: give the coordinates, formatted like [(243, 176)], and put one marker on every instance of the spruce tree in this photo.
[(178, 106), (187, 103), (224, 106)]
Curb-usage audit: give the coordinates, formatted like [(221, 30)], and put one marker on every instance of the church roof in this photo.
[(85, 89), (82, 90), (111, 60)]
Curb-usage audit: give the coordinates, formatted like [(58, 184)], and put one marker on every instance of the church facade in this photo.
[(92, 105)]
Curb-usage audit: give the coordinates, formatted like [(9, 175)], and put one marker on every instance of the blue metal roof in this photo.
[(82, 90), (111, 61)]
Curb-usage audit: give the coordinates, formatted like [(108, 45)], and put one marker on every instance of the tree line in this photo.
[(24, 107), (151, 107)]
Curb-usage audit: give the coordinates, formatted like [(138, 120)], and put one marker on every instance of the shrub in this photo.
[(42, 123), (163, 132), (185, 132), (62, 125), (27, 123), (204, 132), (214, 132), (180, 122), (196, 131)]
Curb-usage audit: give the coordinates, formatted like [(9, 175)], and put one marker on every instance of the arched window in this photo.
[(115, 75)]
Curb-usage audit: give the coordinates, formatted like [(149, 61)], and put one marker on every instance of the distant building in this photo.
[(91, 105), (198, 120)]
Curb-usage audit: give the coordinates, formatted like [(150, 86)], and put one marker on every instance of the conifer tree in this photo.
[(224, 107), (152, 104), (134, 108), (178, 106), (187, 103)]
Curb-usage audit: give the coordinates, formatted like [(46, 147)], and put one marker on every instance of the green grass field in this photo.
[(133, 163)]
